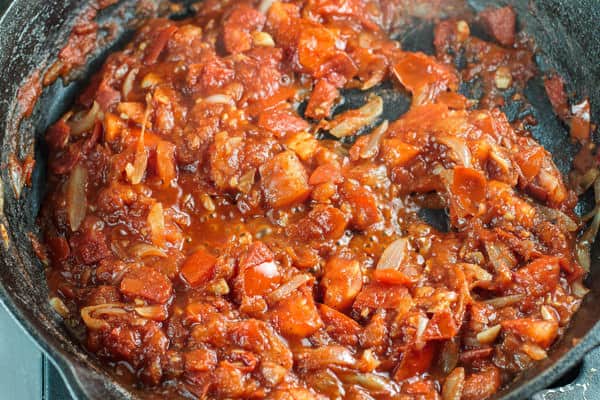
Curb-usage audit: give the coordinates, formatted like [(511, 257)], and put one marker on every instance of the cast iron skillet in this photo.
[(32, 32)]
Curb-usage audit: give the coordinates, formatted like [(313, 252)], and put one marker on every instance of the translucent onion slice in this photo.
[(156, 222), (84, 122), (76, 196), (372, 147), (350, 122), (94, 323), (454, 385), (128, 82), (394, 255), (489, 335), (142, 250), (505, 301), (287, 288)]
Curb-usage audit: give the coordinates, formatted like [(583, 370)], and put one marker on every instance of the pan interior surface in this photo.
[(565, 32)]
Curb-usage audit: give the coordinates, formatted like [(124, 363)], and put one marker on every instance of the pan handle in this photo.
[(585, 387)]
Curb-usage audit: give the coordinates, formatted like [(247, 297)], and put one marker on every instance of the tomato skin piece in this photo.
[(198, 268), (341, 327), (397, 153), (468, 188), (539, 276), (392, 277), (414, 362)]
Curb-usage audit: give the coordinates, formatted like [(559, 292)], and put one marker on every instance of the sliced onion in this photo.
[(454, 384), (579, 290), (287, 288), (582, 182), (325, 356), (128, 82), (372, 147), (479, 273), (85, 122), (489, 335), (548, 313), (394, 255), (142, 250), (534, 351), (459, 152), (156, 222), (76, 196), (135, 172), (422, 323), (219, 99), (155, 313), (59, 306), (584, 244), (265, 5), (350, 122), (564, 222), (102, 309), (371, 382), (505, 301)]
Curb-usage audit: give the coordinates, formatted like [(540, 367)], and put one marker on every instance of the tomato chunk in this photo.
[(284, 180), (198, 268), (342, 281), (146, 283)]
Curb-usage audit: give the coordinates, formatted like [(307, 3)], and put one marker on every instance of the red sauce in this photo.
[(210, 245)]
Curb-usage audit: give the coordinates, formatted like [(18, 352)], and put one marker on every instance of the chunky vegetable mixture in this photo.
[(216, 227)]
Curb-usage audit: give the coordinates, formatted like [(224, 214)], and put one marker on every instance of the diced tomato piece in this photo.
[(441, 327), (380, 295), (469, 192), (363, 205), (322, 223), (396, 153), (284, 180), (555, 89), (237, 26), (424, 87), (326, 173), (482, 385), (146, 283), (339, 326), (342, 281), (501, 23), (258, 270), (198, 268), (338, 69), (200, 360), (538, 331), (315, 46), (281, 122), (322, 99), (530, 161), (414, 362), (296, 316), (392, 277), (539, 276)]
